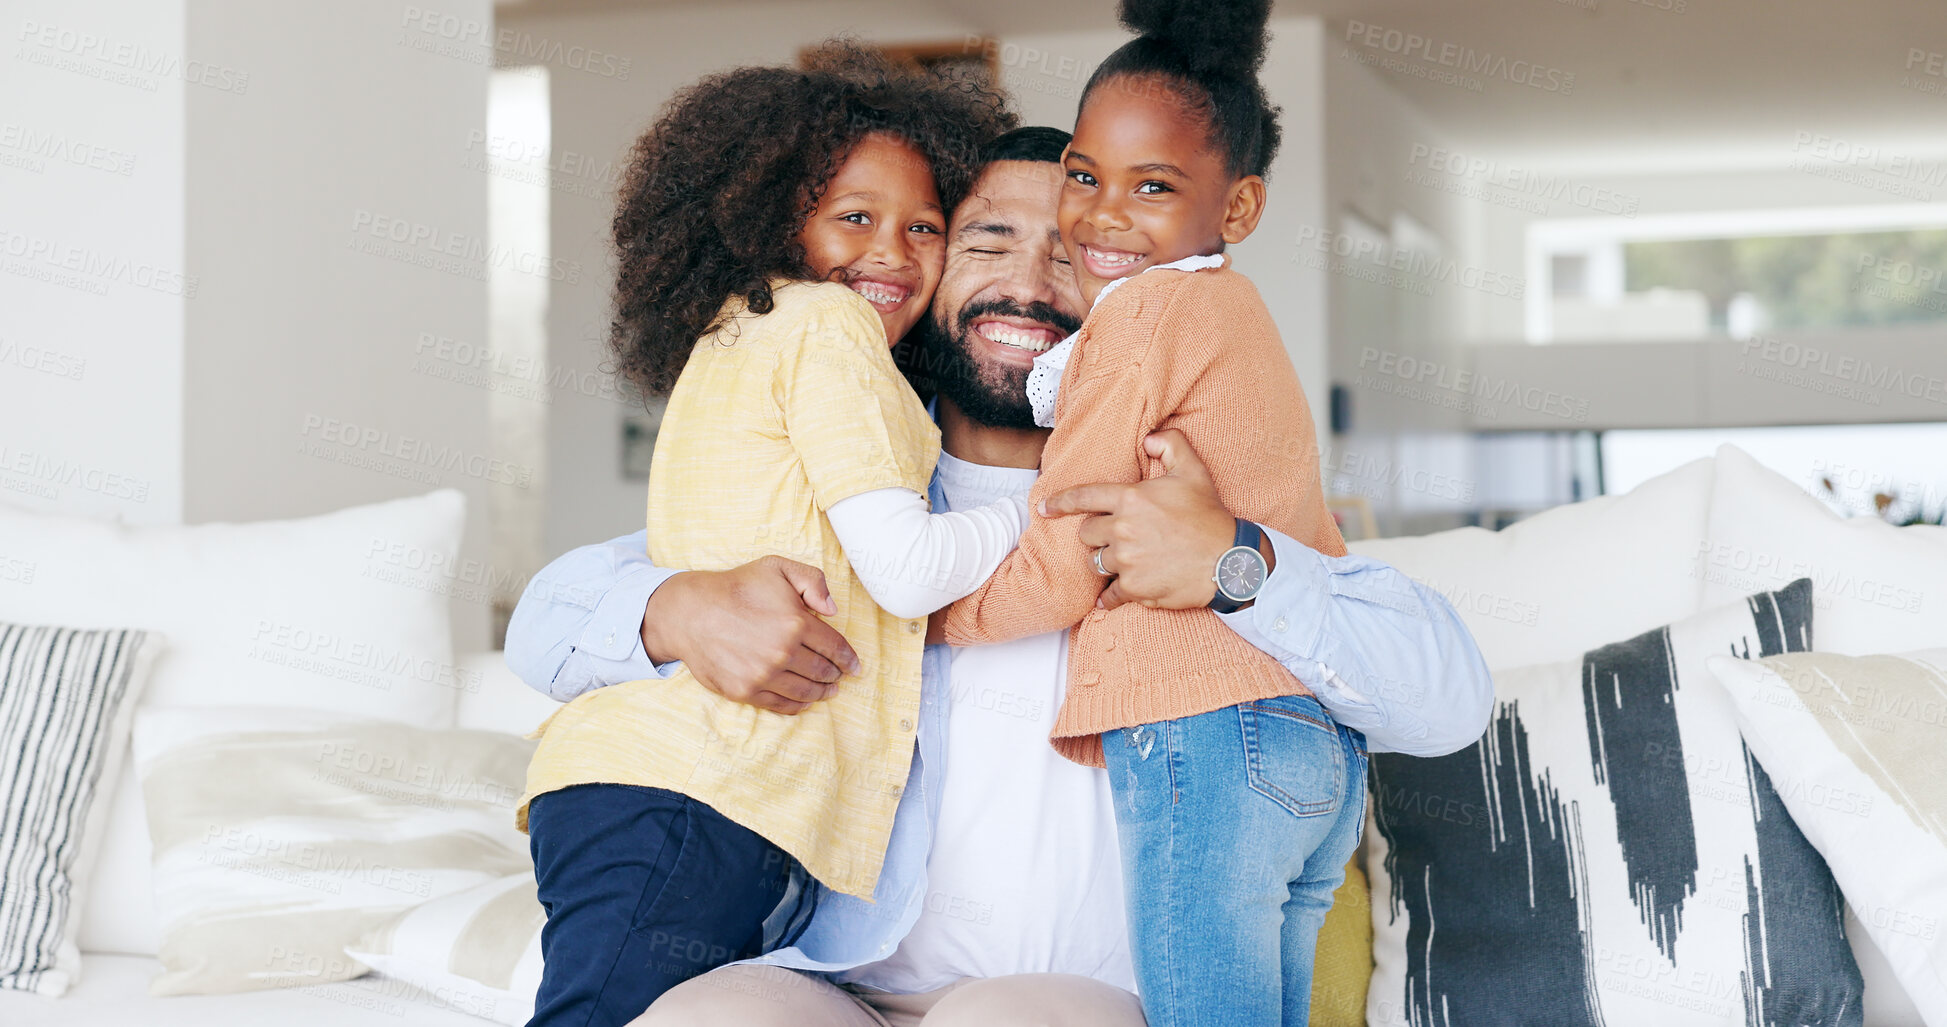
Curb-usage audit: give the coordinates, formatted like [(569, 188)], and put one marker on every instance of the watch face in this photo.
[(1240, 574)]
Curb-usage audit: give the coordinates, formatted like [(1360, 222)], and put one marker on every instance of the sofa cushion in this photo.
[(282, 836), (1572, 578), (478, 950), (1879, 589), (65, 699), (1609, 852), (114, 992), (1870, 735), (346, 611)]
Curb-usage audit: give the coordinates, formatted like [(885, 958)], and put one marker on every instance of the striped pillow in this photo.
[(478, 951), (282, 836), (65, 700)]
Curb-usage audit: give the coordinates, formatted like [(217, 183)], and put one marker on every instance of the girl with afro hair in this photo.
[(1238, 800), (779, 230)]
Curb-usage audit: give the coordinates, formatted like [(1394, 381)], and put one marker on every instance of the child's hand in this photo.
[(751, 634)]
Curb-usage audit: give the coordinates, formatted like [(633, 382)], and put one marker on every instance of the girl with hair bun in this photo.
[(1238, 800)]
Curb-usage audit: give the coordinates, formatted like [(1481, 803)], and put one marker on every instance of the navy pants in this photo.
[(644, 888)]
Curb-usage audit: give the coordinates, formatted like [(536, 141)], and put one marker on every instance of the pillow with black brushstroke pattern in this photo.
[(1609, 853)]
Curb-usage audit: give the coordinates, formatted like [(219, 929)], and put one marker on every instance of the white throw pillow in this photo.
[(1569, 579), (478, 951), (496, 699), (1870, 734), (1608, 852), (347, 611), (282, 836), (66, 699), (1879, 589)]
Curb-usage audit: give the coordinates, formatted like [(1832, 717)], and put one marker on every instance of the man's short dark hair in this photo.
[(1032, 142)]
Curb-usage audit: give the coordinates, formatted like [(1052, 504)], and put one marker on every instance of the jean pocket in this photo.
[(1293, 754)]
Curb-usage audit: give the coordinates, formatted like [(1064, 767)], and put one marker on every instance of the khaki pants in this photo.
[(770, 996)]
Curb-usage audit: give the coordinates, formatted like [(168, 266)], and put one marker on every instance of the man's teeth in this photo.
[(877, 293), (1006, 336), (1117, 260)]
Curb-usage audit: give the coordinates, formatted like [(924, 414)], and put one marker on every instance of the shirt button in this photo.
[(897, 789), (1091, 679), (905, 725), (610, 640), (914, 627), (1277, 625)]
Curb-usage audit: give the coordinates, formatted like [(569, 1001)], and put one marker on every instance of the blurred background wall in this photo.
[(271, 261)]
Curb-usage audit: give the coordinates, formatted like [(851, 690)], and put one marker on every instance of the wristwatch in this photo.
[(1241, 571)]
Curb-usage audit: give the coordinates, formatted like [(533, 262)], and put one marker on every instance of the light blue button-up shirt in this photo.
[(1386, 655)]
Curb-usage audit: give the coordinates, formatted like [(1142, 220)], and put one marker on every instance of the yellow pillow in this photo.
[(1343, 966)]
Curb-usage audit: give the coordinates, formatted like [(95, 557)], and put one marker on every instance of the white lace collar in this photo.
[(1044, 381)]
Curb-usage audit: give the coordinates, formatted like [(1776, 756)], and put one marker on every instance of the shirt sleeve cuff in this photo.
[(609, 650), (1289, 614)]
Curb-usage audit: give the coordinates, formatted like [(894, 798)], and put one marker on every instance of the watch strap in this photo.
[(1247, 536)]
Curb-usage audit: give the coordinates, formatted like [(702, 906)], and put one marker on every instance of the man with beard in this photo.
[(1001, 900)]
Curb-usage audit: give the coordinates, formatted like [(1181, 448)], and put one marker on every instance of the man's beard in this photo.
[(995, 394)]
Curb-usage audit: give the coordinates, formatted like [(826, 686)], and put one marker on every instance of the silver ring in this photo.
[(1099, 569)]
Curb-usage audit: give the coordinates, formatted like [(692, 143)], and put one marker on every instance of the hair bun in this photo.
[(1213, 36)]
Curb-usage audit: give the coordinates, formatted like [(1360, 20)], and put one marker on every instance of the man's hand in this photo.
[(1160, 538), (751, 634)]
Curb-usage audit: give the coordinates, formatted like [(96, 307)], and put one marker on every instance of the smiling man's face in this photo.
[(1007, 294)]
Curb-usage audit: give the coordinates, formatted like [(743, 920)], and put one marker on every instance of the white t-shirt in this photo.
[(1024, 875)]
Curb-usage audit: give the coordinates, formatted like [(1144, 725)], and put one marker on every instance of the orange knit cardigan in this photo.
[(1196, 351)]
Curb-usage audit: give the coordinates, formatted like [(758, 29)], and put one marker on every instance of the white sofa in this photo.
[(1546, 589)]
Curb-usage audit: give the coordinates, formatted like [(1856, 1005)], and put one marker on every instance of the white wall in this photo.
[(92, 289), (302, 393), (597, 114)]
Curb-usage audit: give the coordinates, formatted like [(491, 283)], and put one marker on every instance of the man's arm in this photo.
[(1384, 654), (605, 614)]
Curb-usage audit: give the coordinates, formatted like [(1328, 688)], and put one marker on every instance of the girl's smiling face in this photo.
[(880, 226), (1145, 187)]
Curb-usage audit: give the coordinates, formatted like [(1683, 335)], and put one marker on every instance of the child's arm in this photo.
[(868, 449), (914, 561), (1108, 406)]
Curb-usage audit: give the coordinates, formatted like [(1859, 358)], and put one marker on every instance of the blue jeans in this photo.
[(1235, 828), (644, 889)]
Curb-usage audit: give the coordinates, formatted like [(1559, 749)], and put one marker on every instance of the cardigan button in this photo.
[(1091, 679), (1108, 645)]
